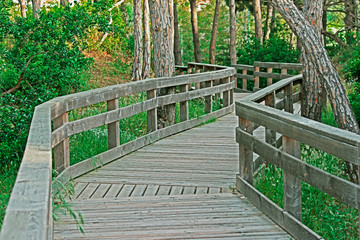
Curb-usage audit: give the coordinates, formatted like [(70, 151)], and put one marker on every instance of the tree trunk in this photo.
[(138, 41), (313, 94), (23, 4), (64, 2), (269, 20), (163, 55), (258, 20), (36, 8), (233, 58), (214, 33), (177, 50), (171, 16), (324, 20), (351, 17), (325, 70), (147, 43), (195, 31)]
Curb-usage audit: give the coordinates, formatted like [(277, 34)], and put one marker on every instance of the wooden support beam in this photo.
[(244, 80), (184, 106), (226, 94), (245, 154), (256, 78), (113, 128), (151, 114), (61, 150), (269, 79), (208, 99)]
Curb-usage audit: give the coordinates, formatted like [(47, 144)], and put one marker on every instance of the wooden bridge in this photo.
[(188, 180)]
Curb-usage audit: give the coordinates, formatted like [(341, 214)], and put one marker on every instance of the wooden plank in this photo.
[(88, 191), (213, 190), (189, 190), (292, 66), (246, 170), (101, 191), (139, 190), (276, 76), (176, 190), (164, 190), (269, 80), (338, 142), (208, 99), (184, 106), (113, 128), (245, 76), (243, 67), (151, 190), (201, 190), (256, 77), (337, 187), (126, 191), (114, 190)]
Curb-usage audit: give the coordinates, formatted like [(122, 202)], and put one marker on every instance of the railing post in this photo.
[(256, 78), (189, 71), (208, 99), (151, 114), (269, 80), (61, 151), (113, 128), (292, 184), (270, 135), (197, 70), (284, 71), (244, 81), (184, 106), (226, 94), (246, 155)]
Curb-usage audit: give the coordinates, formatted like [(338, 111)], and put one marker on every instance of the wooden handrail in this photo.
[(29, 213), (293, 130)]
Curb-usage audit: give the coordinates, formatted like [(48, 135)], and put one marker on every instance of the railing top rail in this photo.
[(290, 66)]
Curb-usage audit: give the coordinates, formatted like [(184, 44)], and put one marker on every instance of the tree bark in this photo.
[(36, 8), (269, 20), (233, 58), (177, 50), (313, 94), (138, 41), (214, 33), (350, 20), (171, 16), (195, 31), (258, 20), (64, 2), (163, 55), (326, 71), (147, 43), (23, 4)]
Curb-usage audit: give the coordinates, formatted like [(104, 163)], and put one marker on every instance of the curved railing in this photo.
[(29, 213), (284, 132)]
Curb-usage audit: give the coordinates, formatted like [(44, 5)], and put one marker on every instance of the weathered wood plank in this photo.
[(113, 128)]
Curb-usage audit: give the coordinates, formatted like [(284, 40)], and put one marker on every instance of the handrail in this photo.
[(287, 156), (29, 213), (255, 72)]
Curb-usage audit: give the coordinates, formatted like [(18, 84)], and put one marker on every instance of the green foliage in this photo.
[(274, 49)]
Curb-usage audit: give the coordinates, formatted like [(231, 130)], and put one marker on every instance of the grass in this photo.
[(322, 213)]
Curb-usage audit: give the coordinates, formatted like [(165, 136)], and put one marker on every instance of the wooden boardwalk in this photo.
[(177, 188)]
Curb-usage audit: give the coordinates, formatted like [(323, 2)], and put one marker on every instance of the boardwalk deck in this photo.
[(176, 188)]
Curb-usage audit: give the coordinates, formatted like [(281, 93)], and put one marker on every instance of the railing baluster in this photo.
[(269, 80), (256, 78), (198, 70), (226, 94), (244, 81), (113, 128), (292, 184), (270, 135), (184, 106), (208, 99), (246, 155), (151, 114), (189, 71), (61, 151)]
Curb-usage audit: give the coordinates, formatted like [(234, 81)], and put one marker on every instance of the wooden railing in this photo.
[(284, 132), (29, 213), (264, 70)]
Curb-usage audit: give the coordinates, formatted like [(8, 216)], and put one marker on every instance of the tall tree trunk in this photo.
[(64, 2), (326, 71), (269, 19), (351, 17), (163, 54), (147, 43), (36, 8), (233, 58), (324, 20), (138, 41), (195, 31), (258, 20), (214, 33), (313, 94), (177, 50), (171, 16), (23, 4)]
